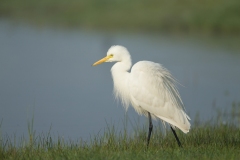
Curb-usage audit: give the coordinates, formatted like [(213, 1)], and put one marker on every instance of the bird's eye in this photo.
[(111, 55)]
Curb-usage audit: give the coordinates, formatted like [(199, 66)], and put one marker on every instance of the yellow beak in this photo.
[(102, 60)]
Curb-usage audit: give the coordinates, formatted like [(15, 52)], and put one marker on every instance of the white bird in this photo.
[(149, 88)]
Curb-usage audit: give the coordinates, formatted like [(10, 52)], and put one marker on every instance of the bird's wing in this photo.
[(152, 89)]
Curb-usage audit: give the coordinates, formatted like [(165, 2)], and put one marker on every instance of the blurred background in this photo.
[(47, 48)]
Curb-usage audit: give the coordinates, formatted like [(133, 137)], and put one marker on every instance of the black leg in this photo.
[(150, 128), (175, 134)]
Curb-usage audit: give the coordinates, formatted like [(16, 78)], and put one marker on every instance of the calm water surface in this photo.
[(47, 73)]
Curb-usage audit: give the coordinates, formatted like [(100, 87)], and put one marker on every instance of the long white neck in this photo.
[(120, 77)]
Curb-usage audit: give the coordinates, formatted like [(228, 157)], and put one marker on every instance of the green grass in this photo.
[(206, 142), (202, 142), (187, 16), (214, 139)]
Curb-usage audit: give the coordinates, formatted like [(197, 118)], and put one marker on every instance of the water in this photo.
[(47, 73)]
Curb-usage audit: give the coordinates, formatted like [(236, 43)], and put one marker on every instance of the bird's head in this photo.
[(115, 54)]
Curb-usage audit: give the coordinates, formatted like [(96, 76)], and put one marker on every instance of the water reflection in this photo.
[(48, 72)]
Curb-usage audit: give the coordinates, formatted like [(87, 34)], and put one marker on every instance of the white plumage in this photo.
[(148, 87)]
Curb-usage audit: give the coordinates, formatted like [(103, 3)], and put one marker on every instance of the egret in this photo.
[(149, 88)]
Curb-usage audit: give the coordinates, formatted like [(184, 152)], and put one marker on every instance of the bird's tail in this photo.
[(181, 121)]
